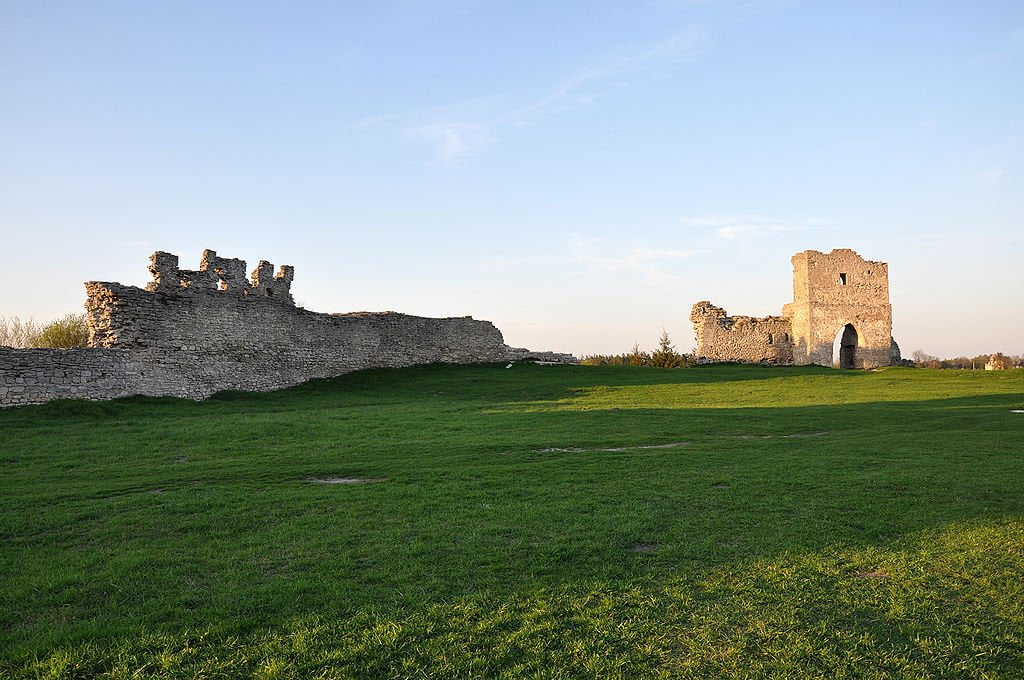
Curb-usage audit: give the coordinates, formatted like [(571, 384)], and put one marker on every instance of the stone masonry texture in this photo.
[(836, 293), (193, 333)]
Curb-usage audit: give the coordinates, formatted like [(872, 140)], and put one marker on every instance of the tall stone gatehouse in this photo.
[(836, 295)]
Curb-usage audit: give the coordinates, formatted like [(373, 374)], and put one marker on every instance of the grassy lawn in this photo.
[(549, 521)]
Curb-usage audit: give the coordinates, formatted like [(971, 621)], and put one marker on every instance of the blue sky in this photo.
[(578, 173)]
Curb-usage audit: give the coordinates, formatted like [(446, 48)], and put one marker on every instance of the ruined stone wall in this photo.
[(834, 294), (744, 339), (194, 333), (32, 376)]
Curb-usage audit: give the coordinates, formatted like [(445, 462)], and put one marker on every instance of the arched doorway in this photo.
[(844, 349)]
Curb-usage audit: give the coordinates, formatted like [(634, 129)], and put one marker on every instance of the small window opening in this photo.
[(270, 293), (842, 279), (785, 337), (770, 338)]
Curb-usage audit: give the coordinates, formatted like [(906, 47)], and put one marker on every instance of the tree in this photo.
[(666, 356), (638, 358), (922, 358), (15, 332)]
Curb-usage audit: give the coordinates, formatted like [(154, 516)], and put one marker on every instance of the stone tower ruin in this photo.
[(835, 295)]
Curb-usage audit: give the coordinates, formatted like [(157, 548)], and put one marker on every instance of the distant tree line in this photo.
[(64, 333), (998, 360), (665, 356)]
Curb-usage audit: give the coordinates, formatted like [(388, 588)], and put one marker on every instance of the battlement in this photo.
[(191, 333), (220, 273)]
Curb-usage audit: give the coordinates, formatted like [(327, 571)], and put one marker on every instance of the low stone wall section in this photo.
[(742, 339), (33, 376)]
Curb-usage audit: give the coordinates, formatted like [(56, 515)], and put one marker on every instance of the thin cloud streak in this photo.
[(591, 255), (454, 141), (642, 261), (743, 227), (573, 91), (465, 129)]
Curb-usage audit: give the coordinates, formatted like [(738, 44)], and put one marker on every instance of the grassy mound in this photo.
[(557, 521)]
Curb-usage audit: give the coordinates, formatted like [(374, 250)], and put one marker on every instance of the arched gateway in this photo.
[(847, 339), (836, 290)]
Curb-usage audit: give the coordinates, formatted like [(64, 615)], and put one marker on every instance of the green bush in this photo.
[(664, 357), (64, 333)]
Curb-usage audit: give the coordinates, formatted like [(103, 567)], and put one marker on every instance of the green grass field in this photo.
[(548, 521)]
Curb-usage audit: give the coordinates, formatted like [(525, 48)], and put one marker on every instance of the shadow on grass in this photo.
[(389, 385), (171, 515)]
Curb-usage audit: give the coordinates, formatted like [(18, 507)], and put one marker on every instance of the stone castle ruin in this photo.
[(191, 333), (835, 295)]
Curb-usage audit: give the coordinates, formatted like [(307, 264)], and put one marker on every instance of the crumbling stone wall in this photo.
[(836, 293), (193, 333), (745, 339)]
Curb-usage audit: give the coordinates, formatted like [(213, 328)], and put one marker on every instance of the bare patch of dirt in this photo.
[(642, 547), (614, 449), (875, 574), (795, 435), (342, 480), (180, 459)]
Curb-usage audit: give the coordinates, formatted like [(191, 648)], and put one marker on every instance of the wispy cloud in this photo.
[(463, 129), (454, 141), (744, 227), (649, 263), (600, 257), (614, 74)]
